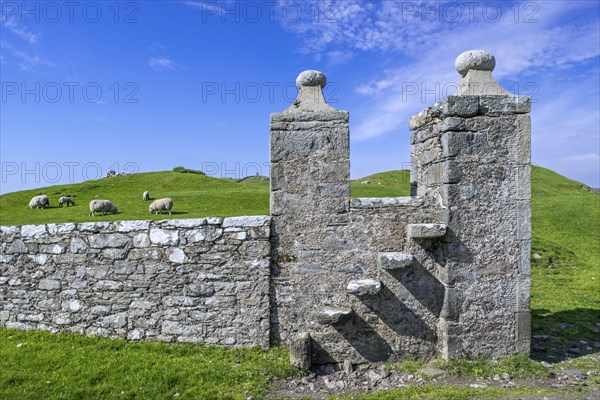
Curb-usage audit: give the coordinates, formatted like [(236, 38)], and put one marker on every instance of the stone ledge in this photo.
[(311, 116), (391, 261), (425, 231), (332, 315), (504, 105), (376, 202), (247, 221), (363, 287)]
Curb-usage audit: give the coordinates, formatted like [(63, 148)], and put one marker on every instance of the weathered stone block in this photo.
[(78, 245), (176, 256), (34, 231), (52, 249), (523, 140), (464, 143), (54, 229), (93, 226), (523, 292), (523, 182), (386, 202), (49, 284), (523, 344), (425, 231), (364, 287), (184, 223), (247, 222), (523, 219), (494, 105), (167, 237), (332, 315), (17, 247), (390, 261), (102, 240), (300, 352), (460, 106), (132, 226), (451, 124)]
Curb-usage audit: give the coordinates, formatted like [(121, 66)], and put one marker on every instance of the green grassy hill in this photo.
[(194, 195)]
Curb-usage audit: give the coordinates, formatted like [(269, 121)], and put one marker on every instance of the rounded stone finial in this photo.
[(479, 60), (311, 78)]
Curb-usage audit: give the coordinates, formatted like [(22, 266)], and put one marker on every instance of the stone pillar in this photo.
[(471, 152), (310, 200)]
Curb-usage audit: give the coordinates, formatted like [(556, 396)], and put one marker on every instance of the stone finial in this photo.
[(475, 59), (475, 67), (310, 95), (310, 77)]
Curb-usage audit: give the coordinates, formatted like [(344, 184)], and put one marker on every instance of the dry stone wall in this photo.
[(196, 280)]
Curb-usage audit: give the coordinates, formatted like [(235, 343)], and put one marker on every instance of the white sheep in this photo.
[(161, 205), (65, 200), (146, 196), (40, 201), (103, 206)]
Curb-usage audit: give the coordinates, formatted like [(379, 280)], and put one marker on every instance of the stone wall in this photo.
[(196, 280)]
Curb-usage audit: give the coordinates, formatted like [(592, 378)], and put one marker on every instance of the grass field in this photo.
[(565, 297), (194, 196)]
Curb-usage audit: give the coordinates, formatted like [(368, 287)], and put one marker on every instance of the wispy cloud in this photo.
[(212, 7), (156, 46), (161, 63), (546, 50), (583, 157), (426, 50), (19, 29), (25, 59)]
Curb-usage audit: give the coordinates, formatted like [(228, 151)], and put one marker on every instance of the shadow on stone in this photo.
[(449, 248), (319, 355), (365, 340), (398, 317), (424, 287)]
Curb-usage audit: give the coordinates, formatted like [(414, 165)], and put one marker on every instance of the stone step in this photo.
[(425, 231), (333, 315), (363, 287), (390, 260)]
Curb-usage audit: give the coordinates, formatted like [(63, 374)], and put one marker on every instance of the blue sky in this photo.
[(150, 85)]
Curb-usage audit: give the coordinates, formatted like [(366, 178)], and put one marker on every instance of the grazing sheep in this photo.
[(65, 200), (103, 206), (161, 205), (146, 196), (40, 201)]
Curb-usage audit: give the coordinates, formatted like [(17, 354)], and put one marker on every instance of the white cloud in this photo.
[(583, 157), (19, 29), (26, 60), (161, 63)]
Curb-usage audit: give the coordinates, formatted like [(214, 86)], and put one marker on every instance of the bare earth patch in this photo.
[(325, 382)]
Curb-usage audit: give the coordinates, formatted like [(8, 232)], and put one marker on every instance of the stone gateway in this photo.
[(443, 273)]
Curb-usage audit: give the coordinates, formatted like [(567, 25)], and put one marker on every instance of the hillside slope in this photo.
[(193, 195)]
